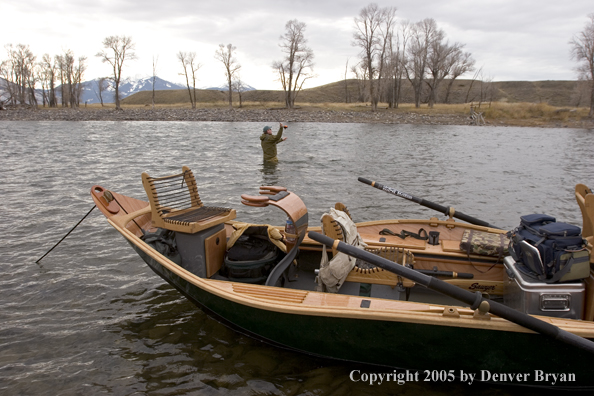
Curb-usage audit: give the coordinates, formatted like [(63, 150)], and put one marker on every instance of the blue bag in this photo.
[(548, 250)]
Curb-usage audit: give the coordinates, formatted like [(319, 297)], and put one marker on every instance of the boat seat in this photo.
[(585, 200), (176, 205), (368, 274)]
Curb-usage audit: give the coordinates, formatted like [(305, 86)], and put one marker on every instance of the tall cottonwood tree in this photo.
[(154, 78), (49, 71), (20, 74), (373, 31), (117, 50), (239, 87), (297, 64), (582, 51), (102, 85), (422, 36), (443, 58), (71, 75), (226, 55), (190, 67), (463, 63), (394, 69)]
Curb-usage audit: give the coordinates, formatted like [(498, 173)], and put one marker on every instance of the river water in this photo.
[(91, 318)]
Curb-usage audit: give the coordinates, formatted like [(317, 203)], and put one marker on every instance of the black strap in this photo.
[(422, 234)]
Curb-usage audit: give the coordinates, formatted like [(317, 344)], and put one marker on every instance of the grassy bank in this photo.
[(497, 113)]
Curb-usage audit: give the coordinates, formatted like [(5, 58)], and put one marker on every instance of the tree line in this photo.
[(389, 55)]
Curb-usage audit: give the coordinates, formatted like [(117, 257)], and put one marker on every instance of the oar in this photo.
[(450, 274), (474, 300), (448, 211)]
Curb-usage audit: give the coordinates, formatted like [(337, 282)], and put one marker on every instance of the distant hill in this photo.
[(128, 87), (225, 88), (90, 89), (139, 91), (555, 93)]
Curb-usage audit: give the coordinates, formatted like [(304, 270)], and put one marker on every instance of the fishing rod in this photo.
[(474, 300), (448, 211), (68, 233)]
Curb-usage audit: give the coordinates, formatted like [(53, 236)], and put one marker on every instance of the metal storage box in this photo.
[(531, 296)]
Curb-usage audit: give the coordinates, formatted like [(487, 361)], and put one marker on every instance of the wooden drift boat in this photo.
[(376, 317)]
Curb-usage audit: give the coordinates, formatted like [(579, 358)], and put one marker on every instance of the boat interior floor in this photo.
[(303, 277)]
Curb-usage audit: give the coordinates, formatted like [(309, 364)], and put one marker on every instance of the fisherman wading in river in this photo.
[(269, 142)]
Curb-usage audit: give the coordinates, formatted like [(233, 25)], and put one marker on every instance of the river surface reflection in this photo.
[(92, 318)]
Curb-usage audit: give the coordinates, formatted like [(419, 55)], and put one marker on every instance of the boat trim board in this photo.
[(332, 305)]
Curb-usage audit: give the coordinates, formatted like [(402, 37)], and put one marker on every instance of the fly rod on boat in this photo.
[(475, 300), (448, 211), (68, 233)]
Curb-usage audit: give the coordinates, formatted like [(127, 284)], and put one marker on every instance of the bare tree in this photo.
[(62, 64), (360, 72), (486, 89), (478, 72), (6, 92), (297, 65), (102, 85), (71, 77), (155, 60), (582, 51), (225, 54), (78, 73), (48, 77), (188, 61), (442, 59), (346, 84), (463, 63), (423, 34), (239, 87), (395, 65), (19, 72), (373, 29), (117, 50)]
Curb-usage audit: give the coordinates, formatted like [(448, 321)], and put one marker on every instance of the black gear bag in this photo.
[(549, 251)]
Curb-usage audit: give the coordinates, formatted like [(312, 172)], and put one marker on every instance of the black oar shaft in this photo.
[(474, 300), (428, 204), (451, 274)]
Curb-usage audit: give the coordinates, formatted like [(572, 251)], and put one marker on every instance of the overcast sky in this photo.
[(511, 39)]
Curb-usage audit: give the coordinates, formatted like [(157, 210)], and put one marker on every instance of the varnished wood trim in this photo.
[(379, 310)]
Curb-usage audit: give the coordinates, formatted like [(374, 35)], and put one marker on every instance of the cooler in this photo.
[(534, 297)]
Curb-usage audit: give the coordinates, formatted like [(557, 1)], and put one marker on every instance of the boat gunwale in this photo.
[(224, 289)]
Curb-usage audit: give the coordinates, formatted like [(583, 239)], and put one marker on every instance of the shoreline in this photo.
[(381, 116)]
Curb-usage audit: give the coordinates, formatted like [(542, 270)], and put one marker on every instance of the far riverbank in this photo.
[(382, 116)]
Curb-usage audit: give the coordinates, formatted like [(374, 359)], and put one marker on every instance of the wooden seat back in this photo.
[(585, 200), (176, 205)]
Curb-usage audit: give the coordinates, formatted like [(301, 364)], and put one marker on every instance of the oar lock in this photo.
[(451, 212), (481, 313)]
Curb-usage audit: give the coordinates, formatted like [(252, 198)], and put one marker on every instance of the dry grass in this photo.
[(533, 114), (496, 113)]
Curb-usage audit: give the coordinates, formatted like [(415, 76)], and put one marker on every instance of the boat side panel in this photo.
[(392, 344)]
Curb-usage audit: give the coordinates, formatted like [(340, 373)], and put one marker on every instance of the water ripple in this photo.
[(92, 318)]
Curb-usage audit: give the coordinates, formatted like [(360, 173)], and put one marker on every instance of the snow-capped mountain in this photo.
[(224, 87), (128, 87)]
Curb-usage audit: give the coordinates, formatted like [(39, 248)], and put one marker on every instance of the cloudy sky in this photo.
[(510, 39)]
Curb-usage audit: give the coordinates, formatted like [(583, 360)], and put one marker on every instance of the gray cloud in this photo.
[(512, 40)]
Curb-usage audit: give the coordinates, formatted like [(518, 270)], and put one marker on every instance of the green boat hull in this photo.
[(442, 353)]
